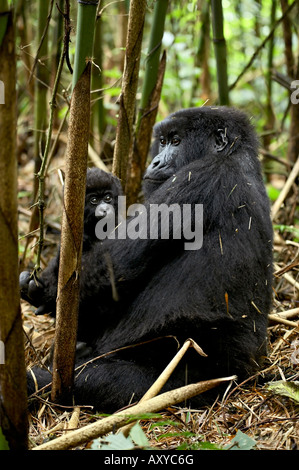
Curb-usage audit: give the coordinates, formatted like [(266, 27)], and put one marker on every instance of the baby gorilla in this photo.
[(101, 200)]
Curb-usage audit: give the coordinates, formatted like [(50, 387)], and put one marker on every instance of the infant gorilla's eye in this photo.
[(94, 200), (162, 141), (108, 198)]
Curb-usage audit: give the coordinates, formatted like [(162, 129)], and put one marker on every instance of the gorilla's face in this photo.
[(210, 134), (179, 141)]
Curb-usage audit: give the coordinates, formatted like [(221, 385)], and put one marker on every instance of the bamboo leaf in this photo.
[(114, 442), (3, 442), (138, 436), (241, 442)]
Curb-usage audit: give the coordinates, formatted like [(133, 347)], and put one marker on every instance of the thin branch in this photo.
[(42, 172)]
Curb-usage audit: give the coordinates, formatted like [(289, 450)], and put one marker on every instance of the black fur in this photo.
[(102, 191), (219, 295)]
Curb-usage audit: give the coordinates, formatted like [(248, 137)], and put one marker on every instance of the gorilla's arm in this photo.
[(41, 290)]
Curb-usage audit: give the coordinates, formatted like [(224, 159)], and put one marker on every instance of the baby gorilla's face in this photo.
[(101, 201), (98, 205)]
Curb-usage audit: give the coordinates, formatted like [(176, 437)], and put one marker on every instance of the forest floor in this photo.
[(270, 417)]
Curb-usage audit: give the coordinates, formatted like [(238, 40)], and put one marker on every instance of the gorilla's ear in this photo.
[(221, 140)]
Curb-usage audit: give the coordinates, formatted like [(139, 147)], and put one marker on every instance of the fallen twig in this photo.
[(105, 425), (164, 376)]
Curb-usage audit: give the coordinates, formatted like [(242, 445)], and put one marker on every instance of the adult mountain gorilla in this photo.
[(219, 295)]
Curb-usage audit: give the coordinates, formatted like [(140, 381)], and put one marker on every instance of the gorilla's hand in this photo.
[(33, 291)]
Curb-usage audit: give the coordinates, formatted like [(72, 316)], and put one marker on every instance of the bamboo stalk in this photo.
[(113, 422), (71, 242), (139, 152), (270, 117), (288, 39), (220, 51), (13, 395), (284, 321), (153, 57), (42, 172), (124, 133), (201, 59), (98, 111), (3, 18), (85, 36), (151, 91), (73, 211), (40, 91)]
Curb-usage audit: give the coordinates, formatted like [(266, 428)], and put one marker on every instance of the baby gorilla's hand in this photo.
[(32, 290)]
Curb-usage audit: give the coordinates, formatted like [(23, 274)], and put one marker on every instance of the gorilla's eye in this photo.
[(162, 141), (94, 200), (175, 141), (108, 198)]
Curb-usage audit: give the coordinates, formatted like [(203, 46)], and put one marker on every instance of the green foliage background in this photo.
[(246, 24)]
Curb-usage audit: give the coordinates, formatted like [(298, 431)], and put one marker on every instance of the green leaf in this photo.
[(186, 434), (113, 442), (286, 389), (143, 416), (166, 422), (287, 228), (198, 446), (241, 442), (273, 193), (3, 442), (138, 436)]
